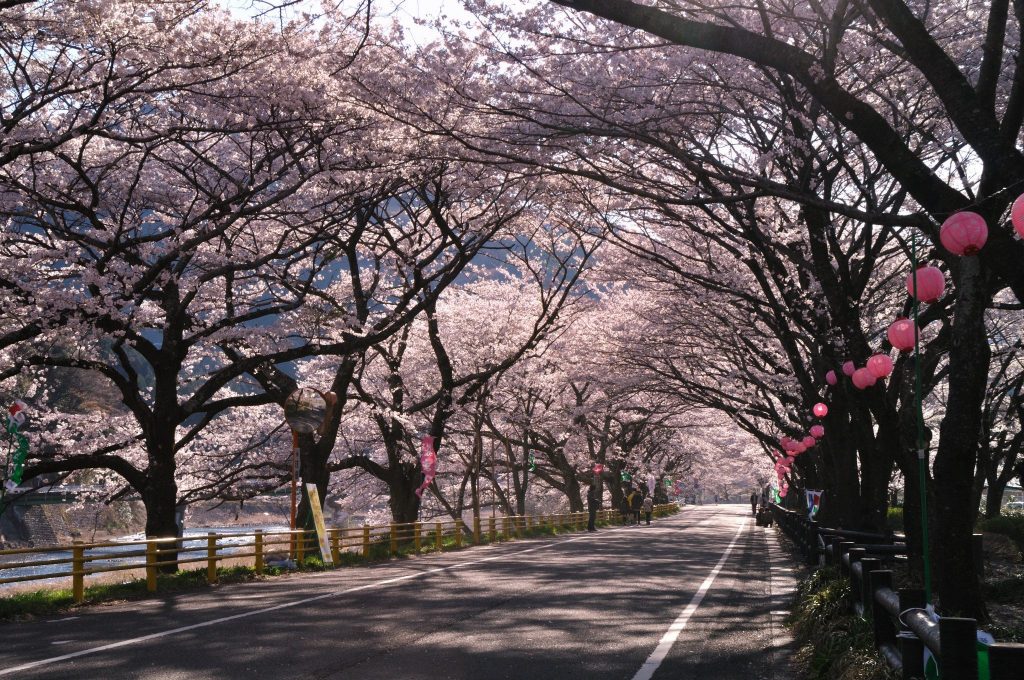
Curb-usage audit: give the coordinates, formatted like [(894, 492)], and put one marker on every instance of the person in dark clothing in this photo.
[(753, 504), (636, 502), (624, 509), (593, 503)]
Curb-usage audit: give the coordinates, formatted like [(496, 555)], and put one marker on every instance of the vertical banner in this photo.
[(652, 481), (318, 521), (813, 502), (428, 463)]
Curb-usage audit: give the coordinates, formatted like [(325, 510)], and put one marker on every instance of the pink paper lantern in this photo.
[(880, 365), (809, 442), (820, 410), (964, 233), (790, 460), (863, 379), (901, 334), (786, 442), (930, 284), (799, 448), (817, 431), (831, 378), (1017, 215), (848, 368)]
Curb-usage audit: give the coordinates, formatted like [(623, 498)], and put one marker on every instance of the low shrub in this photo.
[(1011, 525)]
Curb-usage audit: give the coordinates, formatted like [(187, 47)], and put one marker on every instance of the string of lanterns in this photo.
[(963, 234)]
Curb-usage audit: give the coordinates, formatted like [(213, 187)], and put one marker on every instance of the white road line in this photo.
[(646, 671), (285, 605)]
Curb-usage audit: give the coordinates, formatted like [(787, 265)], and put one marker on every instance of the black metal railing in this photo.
[(902, 625)]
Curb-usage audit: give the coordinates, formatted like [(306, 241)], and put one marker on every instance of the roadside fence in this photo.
[(902, 626), (270, 548)]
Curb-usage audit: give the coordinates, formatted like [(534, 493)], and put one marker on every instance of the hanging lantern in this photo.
[(817, 431), (901, 334), (831, 378), (809, 442), (786, 442), (1017, 215), (790, 460), (964, 233), (820, 410), (930, 283), (799, 448), (863, 379), (848, 368), (880, 365)]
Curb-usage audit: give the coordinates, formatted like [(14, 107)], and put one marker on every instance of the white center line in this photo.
[(646, 671), (285, 605)]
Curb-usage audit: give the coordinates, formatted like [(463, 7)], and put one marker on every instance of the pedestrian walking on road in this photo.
[(624, 509), (635, 503), (753, 504), (593, 503), (648, 508)]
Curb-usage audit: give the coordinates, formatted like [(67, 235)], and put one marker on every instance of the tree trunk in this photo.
[(958, 587), (160, 497), (402, 485)]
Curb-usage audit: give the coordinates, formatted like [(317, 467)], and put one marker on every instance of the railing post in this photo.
[(300, 546), (867, 596), (844, 547), (492, 530), (150, 566), (416, 540), (366, 540), (335, 546), (1005, 660), (476, 530), (392, 540), (211, 557), (458, 533), (856, 585), (911, 647), (78, 566), (258, 549), (438, 535), (959, 640), (812, 542), (881, 622)]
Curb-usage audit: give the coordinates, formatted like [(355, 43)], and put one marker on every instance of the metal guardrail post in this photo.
[(959, 658), (911, 647), (366, 540), (211, 557), (844, 547), (881, 622), (258, 549), (1005, 660), (150, 568), (867, 596), (78, 578)]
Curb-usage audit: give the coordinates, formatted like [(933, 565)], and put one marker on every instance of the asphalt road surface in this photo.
[(697, 595)]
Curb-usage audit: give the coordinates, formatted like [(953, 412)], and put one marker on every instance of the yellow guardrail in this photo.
[(368, 541)]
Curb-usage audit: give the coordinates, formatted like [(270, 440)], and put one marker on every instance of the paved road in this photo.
[(696, 595)]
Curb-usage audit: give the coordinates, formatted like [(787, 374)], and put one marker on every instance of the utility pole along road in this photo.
[(696, 595)]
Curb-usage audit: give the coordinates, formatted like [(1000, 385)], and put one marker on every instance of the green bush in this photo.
[(834, 643), (894, 519), (1008, 525)]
